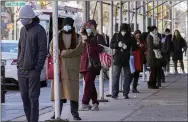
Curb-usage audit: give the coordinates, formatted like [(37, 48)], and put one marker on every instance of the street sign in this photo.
[(14, 4)]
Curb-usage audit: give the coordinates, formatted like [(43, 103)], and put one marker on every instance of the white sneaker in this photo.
[(85, 107), (95, 107)]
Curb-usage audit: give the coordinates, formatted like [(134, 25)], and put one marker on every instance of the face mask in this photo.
[(89, 31), (24, 21), (123, 33), (67, 28)]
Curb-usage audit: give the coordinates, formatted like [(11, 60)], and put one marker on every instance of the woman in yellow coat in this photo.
[(70, 47)]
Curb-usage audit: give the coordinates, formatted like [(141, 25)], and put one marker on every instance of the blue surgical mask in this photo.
[(67, 28), (24, 21), (89, 31)]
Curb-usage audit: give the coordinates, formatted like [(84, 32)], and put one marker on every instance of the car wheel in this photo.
[(43, 83)]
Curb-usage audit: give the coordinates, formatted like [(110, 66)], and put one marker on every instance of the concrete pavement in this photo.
[(169, 103)]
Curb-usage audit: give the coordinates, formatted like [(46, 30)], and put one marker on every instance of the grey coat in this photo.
[(152, 61), (32, 47)]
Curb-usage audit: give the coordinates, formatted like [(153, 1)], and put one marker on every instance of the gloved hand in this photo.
[(120, 44), (124, 46)]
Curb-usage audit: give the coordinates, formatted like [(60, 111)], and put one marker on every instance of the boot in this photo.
[(61, 106), (150, 85)]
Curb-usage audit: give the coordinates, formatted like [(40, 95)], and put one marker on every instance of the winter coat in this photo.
[(166, 47), (32, 47), (121, 57), (177, 47), (152, 61), (139, 56), (93, 49), (70, 65)]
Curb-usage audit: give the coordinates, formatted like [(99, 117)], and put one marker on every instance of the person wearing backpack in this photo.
[(123, 43)]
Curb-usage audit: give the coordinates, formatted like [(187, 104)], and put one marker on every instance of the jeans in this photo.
[(126, 83)]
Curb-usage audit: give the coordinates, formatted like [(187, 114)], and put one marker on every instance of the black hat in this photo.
[(68, 21), (125, 27)]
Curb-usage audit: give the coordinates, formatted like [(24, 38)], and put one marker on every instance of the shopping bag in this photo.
[(106, 60), (131, 64)]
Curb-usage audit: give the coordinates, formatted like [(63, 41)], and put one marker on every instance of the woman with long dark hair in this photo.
[(178, 44), (139, 58)]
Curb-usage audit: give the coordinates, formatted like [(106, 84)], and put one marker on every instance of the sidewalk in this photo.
[(169, 103)]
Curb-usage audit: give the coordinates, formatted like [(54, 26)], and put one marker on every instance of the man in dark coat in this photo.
[(123, 43), (32, 52)]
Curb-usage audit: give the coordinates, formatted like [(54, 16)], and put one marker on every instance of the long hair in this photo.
[(178, 37)]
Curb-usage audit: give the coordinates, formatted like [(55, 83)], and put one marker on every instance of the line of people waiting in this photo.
[(80, 54)]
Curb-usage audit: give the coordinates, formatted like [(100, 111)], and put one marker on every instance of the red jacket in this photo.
[(94, 50), (139, 56)]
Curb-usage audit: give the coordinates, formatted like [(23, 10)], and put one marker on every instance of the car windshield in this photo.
[(9, 47)]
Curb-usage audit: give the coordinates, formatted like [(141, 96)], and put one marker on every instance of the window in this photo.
[(9, 47)]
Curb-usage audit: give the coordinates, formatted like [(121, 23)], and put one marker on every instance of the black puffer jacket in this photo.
[(121, 58), (32, 47)]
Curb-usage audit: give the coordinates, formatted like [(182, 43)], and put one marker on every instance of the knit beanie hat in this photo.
[(68, 21), (26, 12)]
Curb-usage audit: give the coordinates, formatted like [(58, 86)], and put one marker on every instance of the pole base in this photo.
[(103, 100), (108, 95)]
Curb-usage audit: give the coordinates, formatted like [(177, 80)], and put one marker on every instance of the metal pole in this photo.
[(135, 16), (162, 14), (101, 76), (144, 17), (129, 15), (88, 10), (153, 13), (15, 23), (56, 58), (172, 20), (187, 21), (157, 22), (111, 34)]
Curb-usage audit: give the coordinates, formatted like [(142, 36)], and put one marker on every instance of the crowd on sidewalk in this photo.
[(80, 54)]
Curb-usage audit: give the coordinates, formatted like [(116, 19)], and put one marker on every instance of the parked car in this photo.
[(9, 50)]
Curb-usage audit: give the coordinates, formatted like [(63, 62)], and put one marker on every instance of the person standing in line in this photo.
[(70, 47), (166, 50), (139, 59), (32, 52), (123, 42), (153, 57), (177, 54), (90, 55)]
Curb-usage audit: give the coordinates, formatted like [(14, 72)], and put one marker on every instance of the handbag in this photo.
[(92, 63), (163, 62), (50, 68)]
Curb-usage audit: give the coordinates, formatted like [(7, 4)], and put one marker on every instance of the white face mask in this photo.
[(89, 31), (123, 33), (67, 28)]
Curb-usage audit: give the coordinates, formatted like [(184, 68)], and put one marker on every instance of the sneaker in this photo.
[(77, 118), (95, 107), (85, 107), (115, 97), (126, 97)]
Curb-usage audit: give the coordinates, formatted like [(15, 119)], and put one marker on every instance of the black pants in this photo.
[(29, 84), (135, 78), (155, 74), (74, 107)]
